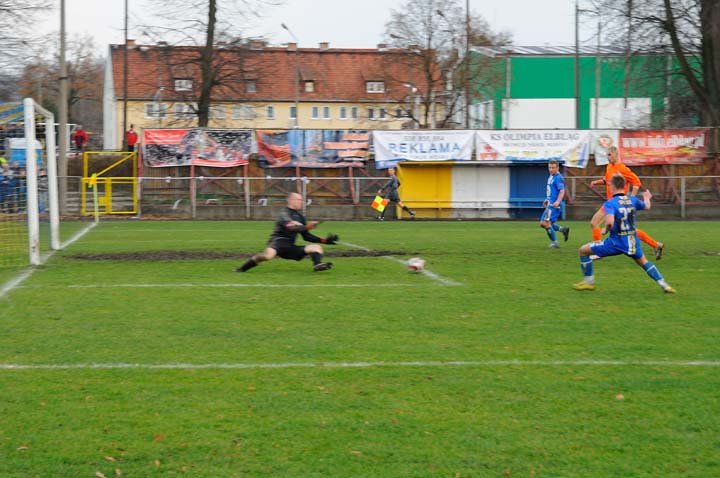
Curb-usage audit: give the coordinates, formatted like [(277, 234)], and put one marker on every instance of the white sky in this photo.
[(343, 23)]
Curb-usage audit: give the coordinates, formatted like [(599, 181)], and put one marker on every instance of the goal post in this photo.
[(30, 109)]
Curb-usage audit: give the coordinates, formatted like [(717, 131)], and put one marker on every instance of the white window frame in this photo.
[(243, 112), (216, 112), (183, 110), (183, 84), (250, 86), (309, 86), (343, 113), (382, 115), (270, 112), (292, 112), (354, 112), (155, 110), (315, 112), (371, 113), (375, 86), (326, 113)]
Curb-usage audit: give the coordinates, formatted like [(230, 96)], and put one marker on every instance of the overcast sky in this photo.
[(343, 23)]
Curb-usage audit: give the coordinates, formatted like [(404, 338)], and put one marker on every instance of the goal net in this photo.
[(28, 184)]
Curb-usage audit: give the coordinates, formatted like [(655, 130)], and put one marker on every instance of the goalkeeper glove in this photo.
[(332, 239)]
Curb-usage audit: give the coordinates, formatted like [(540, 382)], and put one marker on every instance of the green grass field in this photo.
[(490, 366)]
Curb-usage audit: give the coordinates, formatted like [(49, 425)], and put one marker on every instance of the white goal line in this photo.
[(332, 365)]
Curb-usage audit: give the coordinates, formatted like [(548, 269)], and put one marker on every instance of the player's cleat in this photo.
[(669, 290), (412, 215), (380, 218), (323, 266), (554, 245), (565, 232), (583, 286), (659, 251)]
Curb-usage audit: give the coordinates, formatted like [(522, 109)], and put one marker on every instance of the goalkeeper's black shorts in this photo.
[(289, 251)]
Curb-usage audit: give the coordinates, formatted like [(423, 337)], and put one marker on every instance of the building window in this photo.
[(243, 112), (250, 86), (155, 110), (383, 113), (375, 86), (293, 112), (371, 113), (183, 84), (315, 112), (270, 112), (343, 112), (326, 112), (309, 86), (183, 110), (217, 112), (354, 112)]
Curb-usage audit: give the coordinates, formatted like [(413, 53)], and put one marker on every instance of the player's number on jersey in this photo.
[(624, 225)]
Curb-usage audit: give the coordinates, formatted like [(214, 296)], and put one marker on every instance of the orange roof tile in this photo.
[(339, 74)]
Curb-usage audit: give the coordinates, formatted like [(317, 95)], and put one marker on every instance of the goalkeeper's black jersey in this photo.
[(285, 231)]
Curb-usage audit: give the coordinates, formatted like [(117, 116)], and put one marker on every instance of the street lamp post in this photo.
[(297, 75)]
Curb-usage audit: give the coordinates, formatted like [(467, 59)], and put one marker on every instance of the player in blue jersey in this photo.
[(620, 223), (555, 193)]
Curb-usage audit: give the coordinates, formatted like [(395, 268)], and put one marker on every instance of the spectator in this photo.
[(80, 138), (131, 138)]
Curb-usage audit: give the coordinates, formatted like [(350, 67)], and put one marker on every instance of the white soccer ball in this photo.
[(416, 264)]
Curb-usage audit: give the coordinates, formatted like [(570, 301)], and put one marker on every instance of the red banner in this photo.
[(672, 146), (220, 148)]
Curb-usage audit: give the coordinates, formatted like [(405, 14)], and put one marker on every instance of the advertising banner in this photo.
[(392, 147), (680, 146), (220, 148), (601, 141), (313, 148), (570, 146)]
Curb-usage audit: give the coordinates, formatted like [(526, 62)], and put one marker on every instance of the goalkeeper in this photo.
[(290, 223)]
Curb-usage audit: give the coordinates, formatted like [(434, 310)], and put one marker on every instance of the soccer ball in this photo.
[(416, 264)]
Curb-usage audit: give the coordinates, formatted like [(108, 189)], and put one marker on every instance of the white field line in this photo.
[(16, 281), (432, 275), (333, 365), (200, 285)]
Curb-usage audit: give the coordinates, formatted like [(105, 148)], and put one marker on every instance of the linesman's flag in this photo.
[(379, 203)]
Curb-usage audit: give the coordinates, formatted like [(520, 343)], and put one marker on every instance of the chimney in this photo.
[(257, 44), (292, 46), (130, 44), (324, 45)]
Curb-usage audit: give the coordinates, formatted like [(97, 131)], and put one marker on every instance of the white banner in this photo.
[(601, 140), (538, 145), (394, 146)]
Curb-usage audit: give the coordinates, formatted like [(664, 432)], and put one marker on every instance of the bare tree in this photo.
[(85, 75), (205, 42), (16, 28), (688, 29), (438, 36)]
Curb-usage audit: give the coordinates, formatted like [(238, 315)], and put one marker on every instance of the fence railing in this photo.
[(185, 196)]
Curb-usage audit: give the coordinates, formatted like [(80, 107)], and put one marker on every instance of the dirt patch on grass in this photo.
[(211, 255)]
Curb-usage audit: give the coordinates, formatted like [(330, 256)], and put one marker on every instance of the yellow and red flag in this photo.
[(379, 203)]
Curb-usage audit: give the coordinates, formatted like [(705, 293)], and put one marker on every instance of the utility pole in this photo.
[(297, 75), (467, 64), (125, 81), (63, 117), (577, 65)]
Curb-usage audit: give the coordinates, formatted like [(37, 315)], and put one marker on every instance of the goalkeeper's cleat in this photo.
[(554, 245), (323, 266), (565, 232), (583, 286), (669, 290), (659, 251)]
